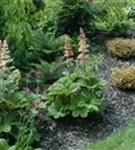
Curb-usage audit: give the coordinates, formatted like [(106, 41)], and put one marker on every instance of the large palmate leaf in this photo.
[(81, 111), (57, 109), (3, 144), (65, 86)]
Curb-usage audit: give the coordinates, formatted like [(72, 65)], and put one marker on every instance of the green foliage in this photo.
[(17, 28), (118, 4), (123, 48), (131, 13), (73, 15), (20, 20), (113, 21), (16, 119), (94, 60), (46, 46), (50, 71), (17, 124), (78, 94), (5, 146), (51, 11), (29, 28), (9, 94), (40, 5)]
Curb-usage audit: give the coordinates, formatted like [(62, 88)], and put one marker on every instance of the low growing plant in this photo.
[(124, 77), (123, 48), (78, 94)]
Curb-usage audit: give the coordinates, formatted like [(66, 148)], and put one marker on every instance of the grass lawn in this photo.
[(124, 140)]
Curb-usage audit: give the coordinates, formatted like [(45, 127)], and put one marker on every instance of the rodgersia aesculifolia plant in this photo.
[(79, 93)]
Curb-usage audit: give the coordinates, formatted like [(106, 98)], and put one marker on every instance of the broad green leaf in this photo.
[(3, 144), (83, 112), (42, 105), (12, 148), (81, 103), (75, 114), (74, 87), (93, 107), (5, 128)]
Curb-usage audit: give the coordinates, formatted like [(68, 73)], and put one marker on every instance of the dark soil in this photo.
[(71, 134)]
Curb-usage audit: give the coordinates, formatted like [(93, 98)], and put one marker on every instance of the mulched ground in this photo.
[(70, 134)]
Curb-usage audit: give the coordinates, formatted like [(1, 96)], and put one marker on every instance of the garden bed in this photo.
[(70, 134)]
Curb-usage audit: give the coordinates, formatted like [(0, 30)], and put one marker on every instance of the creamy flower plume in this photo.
[(6, 62), (68, 53), (83, 47)]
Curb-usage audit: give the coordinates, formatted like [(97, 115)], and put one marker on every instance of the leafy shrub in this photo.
[(45, 55), (124, 78), (51, 11), (46, 46), (16, 122), (123, 48), (79, 94), (113, 19), (73, 15), (39, 4), (132, 12), (50, 71), (20, 28), (17, 125), (5, 146)]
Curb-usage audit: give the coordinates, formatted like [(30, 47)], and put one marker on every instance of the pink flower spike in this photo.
[(35, 105), (39, 72), (28, 75)]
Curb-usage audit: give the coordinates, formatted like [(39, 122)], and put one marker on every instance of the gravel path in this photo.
[(69, 134)]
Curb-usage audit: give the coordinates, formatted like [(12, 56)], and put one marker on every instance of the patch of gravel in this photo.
[(70, 134)]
